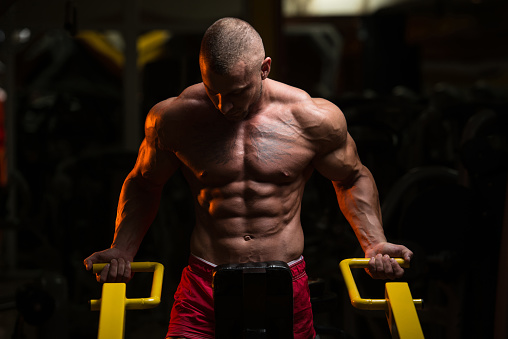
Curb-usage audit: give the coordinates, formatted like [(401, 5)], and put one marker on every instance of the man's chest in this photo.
[(271, 152)]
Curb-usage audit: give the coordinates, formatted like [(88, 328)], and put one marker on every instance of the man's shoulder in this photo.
[(193, 98), (287, 94), (320, 119), (301, 102), (314, 113), (168, 119)]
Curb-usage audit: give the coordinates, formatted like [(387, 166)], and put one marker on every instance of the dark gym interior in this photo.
[(424, 88)]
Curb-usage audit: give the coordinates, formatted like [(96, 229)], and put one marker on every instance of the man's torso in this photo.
[(247, 177)]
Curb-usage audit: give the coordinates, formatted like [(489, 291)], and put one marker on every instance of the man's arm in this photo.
[(138, 204), (357, 194)]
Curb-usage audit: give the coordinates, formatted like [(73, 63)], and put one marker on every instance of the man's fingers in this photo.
[(120, 271), (117, 269), (88, 262), (113, 271), (376, 267), (407, 255), (93, 259), (398, 271), (127, 275), (380, 266), (386, 271), (384, 267), (389, 266), (103, 276)]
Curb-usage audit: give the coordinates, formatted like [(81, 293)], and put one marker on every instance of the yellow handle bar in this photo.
[(354, 295), (138, 303)]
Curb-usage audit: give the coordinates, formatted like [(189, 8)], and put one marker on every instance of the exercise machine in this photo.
[(399, 305), (114, 302)]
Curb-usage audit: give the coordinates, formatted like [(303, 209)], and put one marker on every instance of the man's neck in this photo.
[(263, 100)]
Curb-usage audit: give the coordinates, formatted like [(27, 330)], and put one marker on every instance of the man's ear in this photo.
[(265, 68)]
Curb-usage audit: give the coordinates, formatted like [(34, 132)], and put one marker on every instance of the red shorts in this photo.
[(192, 315)]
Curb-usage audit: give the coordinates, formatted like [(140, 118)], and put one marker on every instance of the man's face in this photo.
[(233, 93)]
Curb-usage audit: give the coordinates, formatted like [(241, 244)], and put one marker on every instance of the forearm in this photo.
[(137, 208), (359, 202)]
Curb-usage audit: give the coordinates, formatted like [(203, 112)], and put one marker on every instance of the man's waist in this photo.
[(206, 268)]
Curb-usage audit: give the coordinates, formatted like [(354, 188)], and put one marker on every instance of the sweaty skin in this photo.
[(247, 145)]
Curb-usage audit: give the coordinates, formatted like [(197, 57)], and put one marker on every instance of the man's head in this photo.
[(233, 65), (229, 41)]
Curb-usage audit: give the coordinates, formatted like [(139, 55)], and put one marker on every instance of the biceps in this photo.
[(341, 164), (154, 165)]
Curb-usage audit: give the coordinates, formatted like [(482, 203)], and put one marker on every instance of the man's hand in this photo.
[(382, 265), (118, 268)]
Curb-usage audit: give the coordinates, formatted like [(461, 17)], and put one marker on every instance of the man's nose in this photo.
[(224, 104)]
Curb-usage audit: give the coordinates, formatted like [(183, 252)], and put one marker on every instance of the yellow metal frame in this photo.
[(113, 302), (399, 305), (402, 317)]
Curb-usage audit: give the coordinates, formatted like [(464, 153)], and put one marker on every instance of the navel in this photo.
[(247, 237)]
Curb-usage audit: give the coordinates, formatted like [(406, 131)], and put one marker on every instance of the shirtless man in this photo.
[(246, 144)]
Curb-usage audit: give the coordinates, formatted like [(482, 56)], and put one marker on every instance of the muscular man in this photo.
[(246, 144)]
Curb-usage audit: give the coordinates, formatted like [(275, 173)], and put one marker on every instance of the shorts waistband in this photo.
[(200, 265)]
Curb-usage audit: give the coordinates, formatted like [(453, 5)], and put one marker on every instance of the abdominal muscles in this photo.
[(248, 221)]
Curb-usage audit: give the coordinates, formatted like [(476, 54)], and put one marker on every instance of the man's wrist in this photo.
[(374, 245), (127, 250)]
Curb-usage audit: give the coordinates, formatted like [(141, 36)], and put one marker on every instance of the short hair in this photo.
[(228, 41)]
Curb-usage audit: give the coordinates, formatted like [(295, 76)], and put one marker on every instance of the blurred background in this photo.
[(423, 85)]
